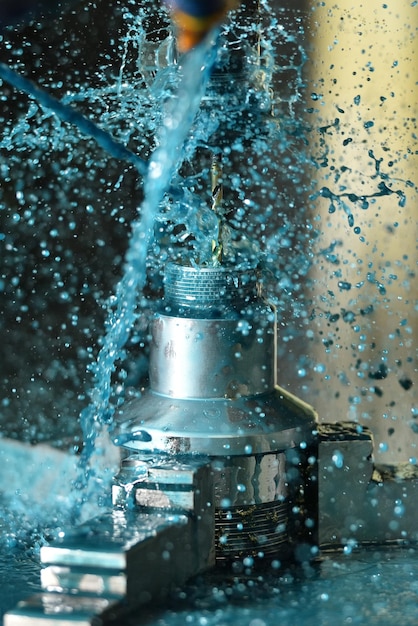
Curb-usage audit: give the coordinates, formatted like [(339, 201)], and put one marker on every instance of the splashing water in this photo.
[(167, 158), (269, 203), (69, 191), (193, 75)]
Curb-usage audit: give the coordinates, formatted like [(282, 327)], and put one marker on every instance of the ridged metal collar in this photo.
[(209, 287)]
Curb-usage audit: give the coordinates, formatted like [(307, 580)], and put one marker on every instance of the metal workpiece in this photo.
[(171, 486), (248, 516), (219, 466), (250, 480), (273, 511), (360, 503), (132, 545), (65, 609), (253, 533), (130, 556), (212, 455)]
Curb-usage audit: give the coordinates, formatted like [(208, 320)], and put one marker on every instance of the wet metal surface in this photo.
[(372, 587)]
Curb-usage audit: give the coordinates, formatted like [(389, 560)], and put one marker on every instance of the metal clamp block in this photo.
[(358, 502)]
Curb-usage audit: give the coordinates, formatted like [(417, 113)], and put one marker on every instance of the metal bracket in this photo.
[(360, 503)]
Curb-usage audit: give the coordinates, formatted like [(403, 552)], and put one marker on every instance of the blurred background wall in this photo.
[(363, 88)]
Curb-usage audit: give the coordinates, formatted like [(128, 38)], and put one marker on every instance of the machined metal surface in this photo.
[(253, 532), (136, 552), (212, 380), (249, 480), (213, 395), (63, 609), (247, 425), (127, 558), (216, 338), (250, 506), (213, 358)]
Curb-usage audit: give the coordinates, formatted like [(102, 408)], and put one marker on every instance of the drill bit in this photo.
[(217, 197)]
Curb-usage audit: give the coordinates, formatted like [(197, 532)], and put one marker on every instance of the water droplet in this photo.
[(399, 509), (338, 459)]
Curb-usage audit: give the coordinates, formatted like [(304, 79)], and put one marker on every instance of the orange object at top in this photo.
[(195, 18)]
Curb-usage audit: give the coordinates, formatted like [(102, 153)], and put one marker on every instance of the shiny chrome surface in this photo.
[(249, 480), (213, 358), (212, 379), (247, 425), (251, 506), (216, 337), (209, 290)]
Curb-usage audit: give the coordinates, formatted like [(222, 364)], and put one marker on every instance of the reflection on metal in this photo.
[(65, 609), (214, 455), (212, 373)]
